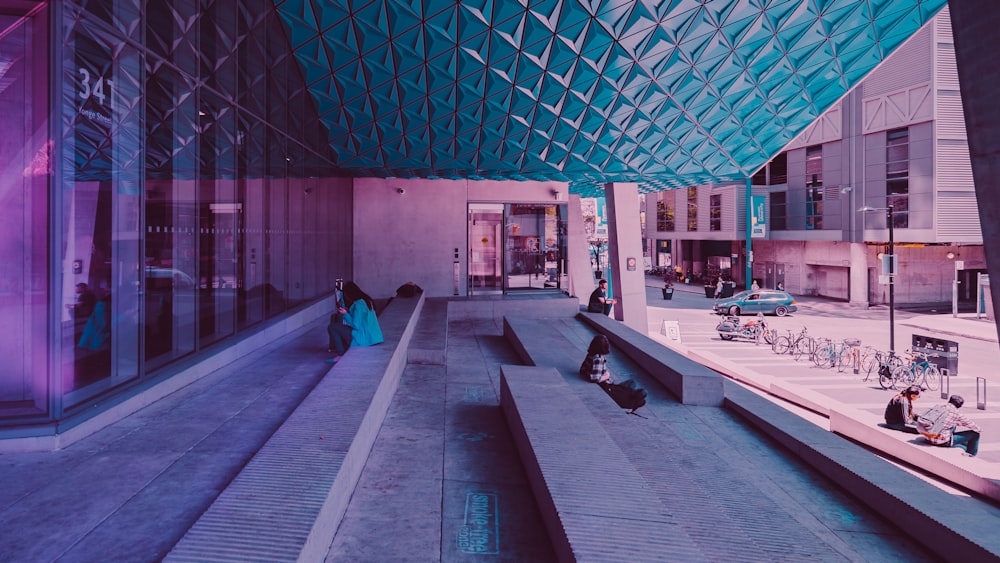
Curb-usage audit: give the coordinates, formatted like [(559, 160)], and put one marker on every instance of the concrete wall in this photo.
[(412, 236), (824, 268)]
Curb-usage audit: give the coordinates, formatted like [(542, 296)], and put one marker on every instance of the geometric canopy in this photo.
[(666, 93)]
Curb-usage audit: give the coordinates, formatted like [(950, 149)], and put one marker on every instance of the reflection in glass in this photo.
[(535, 246), (25, 172), (485, 234), (170, 271)]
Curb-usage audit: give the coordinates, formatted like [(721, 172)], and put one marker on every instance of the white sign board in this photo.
[(672, 330)]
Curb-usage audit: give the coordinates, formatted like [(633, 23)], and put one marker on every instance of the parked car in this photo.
[(753, 301), (167, 279)]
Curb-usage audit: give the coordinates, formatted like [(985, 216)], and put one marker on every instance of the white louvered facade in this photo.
[(956, 213)]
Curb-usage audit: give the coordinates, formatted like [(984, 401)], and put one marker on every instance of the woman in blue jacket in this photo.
[(358, 326)]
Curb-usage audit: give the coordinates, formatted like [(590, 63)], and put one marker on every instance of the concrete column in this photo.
[(625, 245), (976, 28), (581, 276), (858, 274)]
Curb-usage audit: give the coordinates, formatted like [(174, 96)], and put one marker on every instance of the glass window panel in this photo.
[(171, 270), (535, 246), (253, 299), (778, 211), (485, 234), (814, 166), (897, 175), (814, 208), (779, 169), (665, 211), (26, 152), (102, 214), (692, 209), (276, 246), (715, 212)]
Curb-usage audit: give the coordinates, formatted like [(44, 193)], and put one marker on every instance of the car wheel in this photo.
[(781, 310), (726, 336), (734, 311)]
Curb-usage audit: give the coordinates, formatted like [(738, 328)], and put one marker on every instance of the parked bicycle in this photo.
[(808, 347), (828, 354), (853, 355), (884, 361), (918, 370), (786, 344)]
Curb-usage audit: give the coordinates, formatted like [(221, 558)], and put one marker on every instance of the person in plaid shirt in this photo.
[(940, 424), (596, 365)]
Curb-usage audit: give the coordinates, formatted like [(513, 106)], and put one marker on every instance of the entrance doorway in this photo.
[(485, 258), (516, 247)]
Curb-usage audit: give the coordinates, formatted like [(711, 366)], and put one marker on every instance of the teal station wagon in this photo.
[(751, 302)]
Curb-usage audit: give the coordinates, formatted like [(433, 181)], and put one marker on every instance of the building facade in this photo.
[(897, 139), (169, 192)]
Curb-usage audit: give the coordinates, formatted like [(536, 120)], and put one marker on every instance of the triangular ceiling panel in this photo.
[(663, 92)]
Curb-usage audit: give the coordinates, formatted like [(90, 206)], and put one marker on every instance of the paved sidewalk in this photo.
[(129, 492), (829, 389)]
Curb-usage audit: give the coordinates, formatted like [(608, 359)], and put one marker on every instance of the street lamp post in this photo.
[(891, 271)]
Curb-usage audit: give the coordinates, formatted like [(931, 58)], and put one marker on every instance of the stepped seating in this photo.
[(287, 501)]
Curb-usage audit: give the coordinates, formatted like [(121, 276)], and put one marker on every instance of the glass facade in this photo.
[(516, 246), (26, 153), (535, 248), (183, 192), (897, 176), (715, 212), (666, 211)]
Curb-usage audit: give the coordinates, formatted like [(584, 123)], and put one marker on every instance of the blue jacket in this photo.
[(364, 325)]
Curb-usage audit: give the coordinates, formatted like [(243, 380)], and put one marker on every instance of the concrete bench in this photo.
[(430, 341), (944, 522), (689, 381), (595, 505), (287, 502), (946, 463)]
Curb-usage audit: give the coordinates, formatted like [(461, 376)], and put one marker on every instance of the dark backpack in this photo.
[(409, 289), (626, 394)]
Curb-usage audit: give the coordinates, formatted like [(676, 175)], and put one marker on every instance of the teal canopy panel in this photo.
[(666, 93)]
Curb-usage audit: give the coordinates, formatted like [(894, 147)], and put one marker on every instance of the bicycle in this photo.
[(852, 355), (788, 344), (886, 363), (808, 346), (918, 370), (828, 354)]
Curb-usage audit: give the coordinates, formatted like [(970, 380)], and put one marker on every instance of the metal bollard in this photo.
[(945, 384), (981, 401)]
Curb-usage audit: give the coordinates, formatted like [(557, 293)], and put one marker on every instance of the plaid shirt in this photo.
[(598, 368), (953, 419)]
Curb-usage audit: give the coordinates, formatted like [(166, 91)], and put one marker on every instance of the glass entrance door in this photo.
[(535, 246), (485, 234), (516, 246)]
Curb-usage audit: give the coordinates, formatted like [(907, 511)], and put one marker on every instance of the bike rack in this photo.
[(981, 402)]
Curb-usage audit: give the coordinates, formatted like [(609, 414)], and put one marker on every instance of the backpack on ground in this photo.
[(626, 394)]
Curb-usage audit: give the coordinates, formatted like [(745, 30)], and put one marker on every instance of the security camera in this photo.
[(400, 191)]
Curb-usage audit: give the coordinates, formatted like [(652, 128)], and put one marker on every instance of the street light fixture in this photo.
[(891, 271)]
